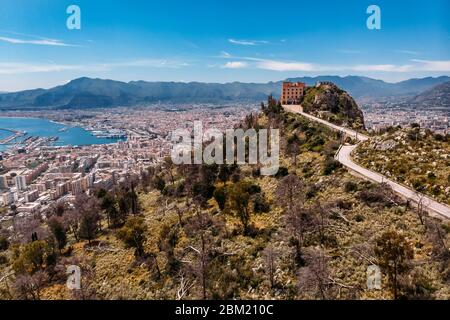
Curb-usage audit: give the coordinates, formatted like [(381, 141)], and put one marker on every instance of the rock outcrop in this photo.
[(329, 102)]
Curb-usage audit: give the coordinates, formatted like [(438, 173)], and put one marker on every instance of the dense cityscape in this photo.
[(210, 162), (36, 175), (396, 112)]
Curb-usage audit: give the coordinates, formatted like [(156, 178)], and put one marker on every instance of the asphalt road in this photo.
[(344, 157)]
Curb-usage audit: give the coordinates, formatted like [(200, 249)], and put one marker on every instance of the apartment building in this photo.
[(292, 92)]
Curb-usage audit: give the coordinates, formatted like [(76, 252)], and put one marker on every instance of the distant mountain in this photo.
[(436, 97), (89, 93), (363, 87)]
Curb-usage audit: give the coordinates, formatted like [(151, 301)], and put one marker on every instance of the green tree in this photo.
[(167, 241), (159, 183), (220, 195), (133, 234), (394, 254), (31, 258), (4, 243), (133, 200), (239, 202), (124, 206), (89, 225), (59, 232)]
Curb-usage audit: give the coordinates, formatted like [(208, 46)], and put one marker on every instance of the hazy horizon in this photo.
[(249, 82), (220, 43)]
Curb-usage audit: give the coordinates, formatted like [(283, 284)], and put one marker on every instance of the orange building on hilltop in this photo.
[(292, 92)]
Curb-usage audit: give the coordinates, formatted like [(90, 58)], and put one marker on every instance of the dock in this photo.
[(15, 135)]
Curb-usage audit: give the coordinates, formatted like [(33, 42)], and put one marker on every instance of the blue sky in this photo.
[(220, 41)]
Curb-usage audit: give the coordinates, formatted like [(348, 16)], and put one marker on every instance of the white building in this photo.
[(3, 182), (21, 182), (8, 198)]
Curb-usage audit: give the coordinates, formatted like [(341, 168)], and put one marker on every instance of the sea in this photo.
[(67, 135)]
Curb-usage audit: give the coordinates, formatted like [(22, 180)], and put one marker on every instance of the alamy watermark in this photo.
[(73, 277), (212, 146), (374, 20), (373, 277), (73, 22)]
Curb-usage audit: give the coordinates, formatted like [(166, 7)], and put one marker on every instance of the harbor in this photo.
[(20, 132), (14, 136)]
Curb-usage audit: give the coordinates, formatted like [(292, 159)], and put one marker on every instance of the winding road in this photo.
[(344, 157)]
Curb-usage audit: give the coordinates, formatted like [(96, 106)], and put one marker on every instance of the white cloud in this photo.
[(382, 68), (285, 66), (41, 42), (414, 65), (24, 68), (18, 68), (247, 42), (224, 54), (410, 52), (235, 65), (433, 65), (151, 63)]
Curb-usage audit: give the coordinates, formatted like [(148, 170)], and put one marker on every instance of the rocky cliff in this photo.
[(328, 101)]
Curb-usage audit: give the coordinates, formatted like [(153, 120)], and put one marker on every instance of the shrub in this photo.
[(254, 189), (282, 172), (203, 189), (239, 200), (418, 185), (311, 192), (260, 204), (330, 165), (31, 257), (133, 234), (220, 195), (4, 243), (431, 175), (381, 194), (343, 204), (256, 172), (446, 227), (159, 183), (350, 186)]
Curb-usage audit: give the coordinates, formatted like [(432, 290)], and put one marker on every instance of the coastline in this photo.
[(75, 135), (36, 118)]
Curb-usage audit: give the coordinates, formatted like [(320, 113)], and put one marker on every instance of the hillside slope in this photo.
[(412, 156), (226, 232), (364, 87), (333, 104), (436, 97)]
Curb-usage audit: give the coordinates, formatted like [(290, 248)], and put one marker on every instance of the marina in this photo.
[(17, 132)]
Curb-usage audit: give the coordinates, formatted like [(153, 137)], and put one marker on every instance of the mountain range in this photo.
[(88, 93), (436, 97)]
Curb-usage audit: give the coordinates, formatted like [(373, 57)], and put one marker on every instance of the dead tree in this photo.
[(290, 191), (28, 287), (269, 259), (185, 286), (421, 204), (313, 279)]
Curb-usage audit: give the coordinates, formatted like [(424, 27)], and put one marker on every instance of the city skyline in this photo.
[(247, 42)]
